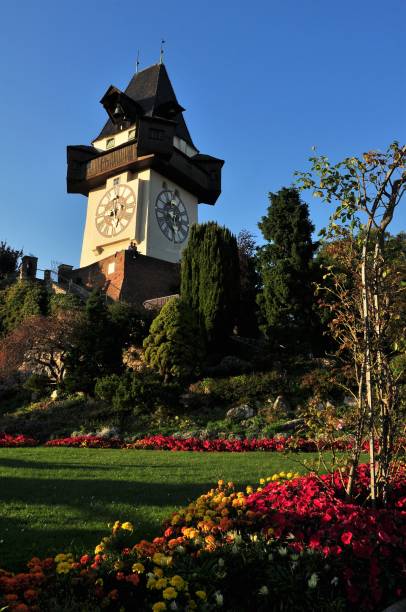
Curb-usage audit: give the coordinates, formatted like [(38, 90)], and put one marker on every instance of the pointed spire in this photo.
[(161, 52)]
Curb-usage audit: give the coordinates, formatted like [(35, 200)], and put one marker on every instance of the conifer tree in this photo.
[(285, 264), (210, 280), (96, 349), (174, 345)]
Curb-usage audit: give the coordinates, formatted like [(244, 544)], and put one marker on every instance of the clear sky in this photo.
[(262, 82)]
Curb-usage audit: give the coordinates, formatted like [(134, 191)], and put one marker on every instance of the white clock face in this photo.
[(172, 216), (115, 210)]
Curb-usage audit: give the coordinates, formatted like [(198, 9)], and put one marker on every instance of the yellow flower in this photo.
[(99, 548), (201, 595), (175, 519), (289, 475), (262, 481), (151, 583), (63, 568), (138, 568), (158, 572), (60, 557), (169, 593), (158, 606), (161, 583), (127, 526), (249, 490), (220, 483), (178, 582), (161, 559)]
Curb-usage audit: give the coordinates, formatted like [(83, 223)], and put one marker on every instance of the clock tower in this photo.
[(143, 178)]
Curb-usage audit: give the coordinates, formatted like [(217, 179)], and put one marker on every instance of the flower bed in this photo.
[(293, 541), (8, 440), (171, 443), (278, 444), (87, 442)]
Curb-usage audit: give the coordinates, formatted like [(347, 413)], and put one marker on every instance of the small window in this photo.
[(110, 143), (131, 134), (155, 134), (111, 268), (116, 181)]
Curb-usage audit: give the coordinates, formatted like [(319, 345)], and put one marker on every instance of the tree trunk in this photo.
[(365, 288)]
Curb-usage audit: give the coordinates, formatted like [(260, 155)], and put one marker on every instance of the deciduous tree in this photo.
[(365, 193)]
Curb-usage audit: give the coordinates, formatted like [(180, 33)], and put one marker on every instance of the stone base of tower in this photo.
[(127, 276)]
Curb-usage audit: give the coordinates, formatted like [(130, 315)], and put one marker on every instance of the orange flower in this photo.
[(11, 597), (30, 594)]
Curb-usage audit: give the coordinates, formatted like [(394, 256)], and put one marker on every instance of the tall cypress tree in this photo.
[(210, 280), (285, 263)]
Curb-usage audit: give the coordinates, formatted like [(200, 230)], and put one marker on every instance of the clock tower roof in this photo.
[(154, 96)]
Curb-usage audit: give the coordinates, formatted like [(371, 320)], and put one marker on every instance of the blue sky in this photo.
[(262, 83)]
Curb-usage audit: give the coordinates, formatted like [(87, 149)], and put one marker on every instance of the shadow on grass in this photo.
[(20, 541), (36, 465), (94, 503), (82, 493)]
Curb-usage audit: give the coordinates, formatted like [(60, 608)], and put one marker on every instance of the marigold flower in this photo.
[(178, 582), (161, 583), (30, 594), (201, 595), (159, 606), (21, 608), (11, 597), (134, 579), (99, 548), (169, 593), (138, 568), (127, 526)]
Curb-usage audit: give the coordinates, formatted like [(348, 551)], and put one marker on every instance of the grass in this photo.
[(59, 499)]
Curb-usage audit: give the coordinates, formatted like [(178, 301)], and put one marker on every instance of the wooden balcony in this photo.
[(118, 159)]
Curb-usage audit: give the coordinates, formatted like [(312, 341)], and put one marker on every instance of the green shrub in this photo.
[(174, 347), (20, 300), (137, 392), (106, 387), (38, 383), (245, 388)]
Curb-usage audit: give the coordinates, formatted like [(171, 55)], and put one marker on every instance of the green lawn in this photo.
[(57, 499)]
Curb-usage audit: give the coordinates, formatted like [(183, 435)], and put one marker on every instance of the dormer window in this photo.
[(110, 143), (131, 134)]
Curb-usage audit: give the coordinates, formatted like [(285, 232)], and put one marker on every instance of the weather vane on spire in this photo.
[(161, 52), (137, 63)]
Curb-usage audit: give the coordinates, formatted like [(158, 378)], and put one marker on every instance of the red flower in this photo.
[(346, 537)]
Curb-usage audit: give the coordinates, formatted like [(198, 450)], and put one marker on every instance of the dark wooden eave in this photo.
[(87, 172)]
